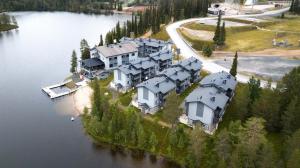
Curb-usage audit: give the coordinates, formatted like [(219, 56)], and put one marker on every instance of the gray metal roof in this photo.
[(92, 62), (158, 84), (117, 49), (222, 80), (175, 73), (143, 63), (210, 96), (128, 69), (191, 63), (146, 41), (162, 55)]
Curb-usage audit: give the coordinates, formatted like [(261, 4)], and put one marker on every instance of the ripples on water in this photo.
[(33, 131)]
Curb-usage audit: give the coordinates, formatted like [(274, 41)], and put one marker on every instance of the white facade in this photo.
[(121, 78), (207, 115), (117, 60), (151, 100)]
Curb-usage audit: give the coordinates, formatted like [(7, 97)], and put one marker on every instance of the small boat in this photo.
[(72, 118)]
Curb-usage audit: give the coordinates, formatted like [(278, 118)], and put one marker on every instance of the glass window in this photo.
[(145, 94), (200, 108)]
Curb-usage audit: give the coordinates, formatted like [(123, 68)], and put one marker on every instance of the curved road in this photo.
[(208, 65)]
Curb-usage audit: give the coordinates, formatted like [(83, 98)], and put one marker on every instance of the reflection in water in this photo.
[(33, 131), (267, 67)]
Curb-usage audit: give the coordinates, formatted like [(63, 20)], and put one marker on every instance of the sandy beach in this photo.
[(82, 99)]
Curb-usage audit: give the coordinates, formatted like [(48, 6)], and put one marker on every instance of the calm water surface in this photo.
[(36, 132)]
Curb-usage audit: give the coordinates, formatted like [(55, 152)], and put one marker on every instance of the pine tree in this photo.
[(207, 50), (222, 35), (73, 62), (86, 54), (233, 70), (153, 142), (218, 30), (101, 41), (290, 117)]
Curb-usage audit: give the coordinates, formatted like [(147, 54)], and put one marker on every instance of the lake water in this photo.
[(36, 132)]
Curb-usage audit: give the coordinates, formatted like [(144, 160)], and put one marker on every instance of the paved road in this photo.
[(208, 65)]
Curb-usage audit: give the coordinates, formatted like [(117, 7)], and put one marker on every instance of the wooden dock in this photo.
[(52, 94)]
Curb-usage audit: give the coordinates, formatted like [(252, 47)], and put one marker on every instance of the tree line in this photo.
[(295, 6), (87, 6), (158, 13), (255, 113)]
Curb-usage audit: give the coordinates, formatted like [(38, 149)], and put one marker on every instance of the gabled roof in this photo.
[(92, 62), (158, 85), (162, 55), (222, 80), (209, 96), (191, 63), (146, 41), (127, 69), (117, 49), (175, 73), (143, 63)]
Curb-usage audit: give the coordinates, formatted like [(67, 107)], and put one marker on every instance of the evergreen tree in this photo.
[(101, 41), (254, 89), (222, 34), (207, 51), (267, 106), (291, 117), (83, 45), (97, 103), (218, 30), (153, 142), (86, 54), (292, 149), (73, 62), (233, 70)]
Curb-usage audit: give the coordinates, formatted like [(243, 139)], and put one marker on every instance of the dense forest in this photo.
[(87, 6), (260, 128), (158, 13), (295, 6)]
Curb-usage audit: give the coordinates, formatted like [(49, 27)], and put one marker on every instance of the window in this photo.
[(200, 108), (111, 65), (145, 94), (119, 75)]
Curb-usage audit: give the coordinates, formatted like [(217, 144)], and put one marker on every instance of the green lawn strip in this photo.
[(161, 35), (7, 27), (126, 98)]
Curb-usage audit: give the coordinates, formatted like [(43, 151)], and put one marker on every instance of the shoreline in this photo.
[(82, 99)]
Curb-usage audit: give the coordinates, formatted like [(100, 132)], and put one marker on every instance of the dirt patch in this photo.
[(198, 34)]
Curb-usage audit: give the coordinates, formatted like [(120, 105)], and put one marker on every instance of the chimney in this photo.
[(224, 82), (157, 85), (213, 99)]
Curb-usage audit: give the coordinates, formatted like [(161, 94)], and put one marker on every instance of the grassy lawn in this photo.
[(6, 27), (126, 98), (248, 38), (197, 44), (161, 35)]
